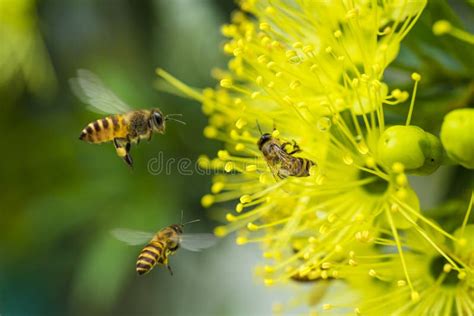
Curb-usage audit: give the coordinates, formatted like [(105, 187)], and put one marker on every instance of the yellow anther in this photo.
[(207, 200), (234, 135), (394, 208), (252, 227), (226, 83), (255, 94), (447, 268), (415, 296), (326, 265), (398, 167), (259, 80), (372, 273), (240, 240), (275, 133), (251, 168), (262, 59), (442, 27), (290, 54), (230, 218), (239, 147), (223, 154), (220, 231), (308, 49), (245, 199), (239, 207), (210, 131), (268, 269), (461, 275), (415, 76), (229, 166), (241, 122), (295, 84), (217, 187), (328, 49), (401, 179), (370, 162), (265, 26), (269, 282), (401, 283), (297, 45), (337, 34), (327, 307)]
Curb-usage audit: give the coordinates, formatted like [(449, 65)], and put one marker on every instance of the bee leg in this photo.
[(122, 147), (169, 268), (149, 135), (296, 148)]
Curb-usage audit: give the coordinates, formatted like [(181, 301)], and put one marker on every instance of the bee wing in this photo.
[(132, 237), (92, 91), (197, 242)]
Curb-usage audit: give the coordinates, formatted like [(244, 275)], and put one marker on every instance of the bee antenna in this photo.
[(170, 117), (193, 221), (258, 126)]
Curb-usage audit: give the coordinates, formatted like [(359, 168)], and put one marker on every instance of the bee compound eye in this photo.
[(158, 119)]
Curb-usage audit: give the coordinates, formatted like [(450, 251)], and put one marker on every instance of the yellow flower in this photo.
[(311, 72), (22, 52)]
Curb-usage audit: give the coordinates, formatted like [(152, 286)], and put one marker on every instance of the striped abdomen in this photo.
[(298, 167), (105, 129), (153, 253)]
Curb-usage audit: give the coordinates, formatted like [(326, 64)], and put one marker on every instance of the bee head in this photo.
[(177, 228), (263, 139), (157, 121)]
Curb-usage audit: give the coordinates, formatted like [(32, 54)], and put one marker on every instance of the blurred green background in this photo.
[(60, 197)]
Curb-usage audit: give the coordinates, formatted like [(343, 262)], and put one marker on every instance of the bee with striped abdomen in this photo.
[(162, 244), (123, 126), (280, 160)]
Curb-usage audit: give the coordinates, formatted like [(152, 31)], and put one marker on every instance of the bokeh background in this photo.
[(60, 197)]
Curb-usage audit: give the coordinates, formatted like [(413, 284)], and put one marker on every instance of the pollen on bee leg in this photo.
[(121, 152)]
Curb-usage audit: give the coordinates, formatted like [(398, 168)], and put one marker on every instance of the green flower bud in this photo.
[(420, 152), (457, 136), (433, 152), (401, 144)]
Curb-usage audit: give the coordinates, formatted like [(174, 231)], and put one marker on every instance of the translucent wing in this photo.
[(90, 90), (197, 242), (132, 237)]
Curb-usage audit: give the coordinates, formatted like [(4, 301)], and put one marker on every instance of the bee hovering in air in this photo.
[(162, 244), (123, 126), (281, 161)]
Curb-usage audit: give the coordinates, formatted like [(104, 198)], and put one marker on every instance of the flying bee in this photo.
[(281, 161), (161, 245), (123, 126)]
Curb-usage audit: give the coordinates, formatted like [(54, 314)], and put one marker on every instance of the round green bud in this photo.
[(433, 152), (457, 136), (419, 152), (401, 144)]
